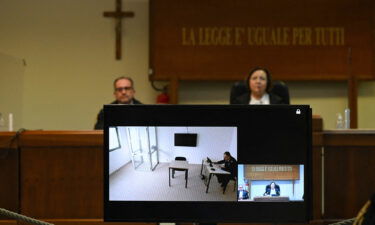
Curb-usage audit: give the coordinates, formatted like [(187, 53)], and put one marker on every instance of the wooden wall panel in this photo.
[(8, 222), (8, 173), (296, 40), (63, 182), (62, 174), (349, 172), (61, 138)]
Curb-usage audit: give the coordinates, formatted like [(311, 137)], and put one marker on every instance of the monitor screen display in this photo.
[(252, 164), (189, 140)]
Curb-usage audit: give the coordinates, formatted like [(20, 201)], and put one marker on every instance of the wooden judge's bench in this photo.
[(57, 176)]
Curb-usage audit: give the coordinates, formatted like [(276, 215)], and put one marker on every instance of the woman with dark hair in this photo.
[(272, 190), (259, 84)]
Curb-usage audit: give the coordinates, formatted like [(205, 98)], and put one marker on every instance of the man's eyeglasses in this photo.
[(123, 89)]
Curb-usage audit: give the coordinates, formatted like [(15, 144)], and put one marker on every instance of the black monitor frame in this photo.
[(289, 131)]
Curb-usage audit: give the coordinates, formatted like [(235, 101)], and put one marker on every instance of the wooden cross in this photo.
[(118, 15)]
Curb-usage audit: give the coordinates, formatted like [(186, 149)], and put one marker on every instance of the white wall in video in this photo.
[(270, 183), (170, 163)]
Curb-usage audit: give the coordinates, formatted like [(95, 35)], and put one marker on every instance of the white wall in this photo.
[(120, 157), (212, 142), (11, 90), (69, 49), (233, 144)]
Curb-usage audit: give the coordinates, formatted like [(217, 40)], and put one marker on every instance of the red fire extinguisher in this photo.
[(163, 97)]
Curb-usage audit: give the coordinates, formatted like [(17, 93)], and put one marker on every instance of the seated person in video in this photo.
[(242, 194), (230, 165), (272, 190)]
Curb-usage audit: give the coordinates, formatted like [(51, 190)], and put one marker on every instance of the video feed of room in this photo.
[(162, 163), (270, 183)]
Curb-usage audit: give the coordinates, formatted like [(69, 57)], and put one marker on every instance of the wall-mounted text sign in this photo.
[(295, 40)]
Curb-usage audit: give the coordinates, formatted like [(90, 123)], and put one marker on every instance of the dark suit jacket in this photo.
[(268, 190), (245, 194), (99, 125), (230, 166), (245, 99)]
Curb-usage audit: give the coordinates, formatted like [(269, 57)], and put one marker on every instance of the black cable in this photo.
[(11, 142)]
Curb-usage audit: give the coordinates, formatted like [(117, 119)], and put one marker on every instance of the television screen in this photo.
[(252, 164), (188, 140)]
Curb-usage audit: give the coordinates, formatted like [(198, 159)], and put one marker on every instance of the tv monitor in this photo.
[(187, 140), (267, 177)]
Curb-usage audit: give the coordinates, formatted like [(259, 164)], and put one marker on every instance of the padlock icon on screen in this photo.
[(298, 111)]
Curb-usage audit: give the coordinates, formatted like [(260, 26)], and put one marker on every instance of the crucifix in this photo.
[(118, 15)]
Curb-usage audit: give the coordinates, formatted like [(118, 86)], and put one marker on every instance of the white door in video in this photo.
[(153, 147), (143, 147)]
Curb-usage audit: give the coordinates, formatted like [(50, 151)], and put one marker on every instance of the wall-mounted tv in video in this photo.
[(187, 140), (252, 163)]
